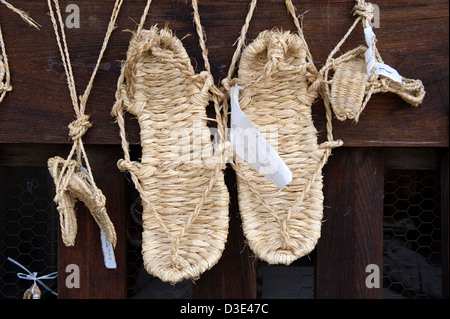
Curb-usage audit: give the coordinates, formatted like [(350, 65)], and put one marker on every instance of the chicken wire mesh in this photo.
[(412, 266), (28, 229), (295, 281)]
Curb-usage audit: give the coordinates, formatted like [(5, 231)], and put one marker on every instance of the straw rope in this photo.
[(185, 200), (5, 77), (74, 182)]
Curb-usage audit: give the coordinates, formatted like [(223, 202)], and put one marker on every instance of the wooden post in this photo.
[(352, 231)]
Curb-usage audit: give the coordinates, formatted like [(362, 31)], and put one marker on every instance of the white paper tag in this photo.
[(370, 56), (249, 144), (369, 35), (372, 64), (108, 252), (386, 70)]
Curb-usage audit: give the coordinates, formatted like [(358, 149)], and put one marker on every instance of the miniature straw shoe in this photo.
[(77, 185), (73, 181), (180, 174), (351, 87)]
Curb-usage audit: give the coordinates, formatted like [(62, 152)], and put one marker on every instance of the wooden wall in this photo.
[(413, 38)]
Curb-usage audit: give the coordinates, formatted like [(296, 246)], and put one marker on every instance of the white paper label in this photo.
[(249, 144), (370, 56), (372, 64), (386, 70), (108, 252)]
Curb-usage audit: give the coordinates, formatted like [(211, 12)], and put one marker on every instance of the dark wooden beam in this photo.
[(352, 231), (413, 38)]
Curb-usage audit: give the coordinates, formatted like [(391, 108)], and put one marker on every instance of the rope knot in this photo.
[(226, 84), (79, 127), (364, 9), (208, 81), (288, 242), (138, 169)]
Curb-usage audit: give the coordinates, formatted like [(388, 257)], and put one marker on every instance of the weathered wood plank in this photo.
[(352, 231), (413, 38)]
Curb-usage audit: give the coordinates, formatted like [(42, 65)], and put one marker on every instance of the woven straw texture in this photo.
[(185, 200)]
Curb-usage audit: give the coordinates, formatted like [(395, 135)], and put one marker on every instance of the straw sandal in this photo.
[(73, 176), (276, 72), (180, 175)]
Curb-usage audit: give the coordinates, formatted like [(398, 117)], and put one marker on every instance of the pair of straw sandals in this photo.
[(180, 175)]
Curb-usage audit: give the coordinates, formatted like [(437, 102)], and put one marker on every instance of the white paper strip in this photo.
[(370, 56), (386, 70), (108, 252), (372, 64), (249, 144)]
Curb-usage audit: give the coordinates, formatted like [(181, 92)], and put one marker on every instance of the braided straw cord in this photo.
[(276, 71), (180, 175), (74, 182), (5, 77)]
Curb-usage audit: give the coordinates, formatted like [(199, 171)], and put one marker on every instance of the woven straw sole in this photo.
[(348, 88), (178, 163), (280, 102)]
